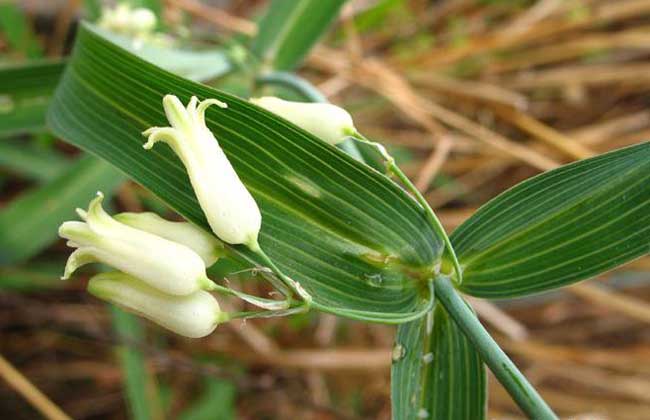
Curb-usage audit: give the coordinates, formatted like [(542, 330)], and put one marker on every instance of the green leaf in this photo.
[(29, 223), (290, 29), (35, 278), (93, 9), (199, 66), (216, 403), (31, 162), (436, 372), (139, 385), (26, 89), (25, 92), (559, 227), (379, 14), (17, 31), (355, 240)]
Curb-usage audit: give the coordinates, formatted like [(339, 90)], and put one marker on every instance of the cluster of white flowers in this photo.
[(162, 264), (136, 23)]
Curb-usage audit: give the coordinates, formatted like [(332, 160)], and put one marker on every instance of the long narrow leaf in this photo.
[(30, 162), (92, 9), (138, 382), (290, 28), (348, 234), (199, 66), (16, 30), (35, 278), (560, 227), (29, 223), (216, 403), (436, 372), (25, 92), (25, 89)]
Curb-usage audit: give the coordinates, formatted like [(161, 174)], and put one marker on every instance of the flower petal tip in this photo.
[(83, 214)]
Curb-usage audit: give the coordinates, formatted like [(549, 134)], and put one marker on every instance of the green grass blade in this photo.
[(353, 238), (31, 162), (139, 385), (560, 227), (290, 29), (199, 66), (25, 92), (17, 31), (29, 223), (216, 403), (26, 89), (92, 9), (35, 278), (437, 375)]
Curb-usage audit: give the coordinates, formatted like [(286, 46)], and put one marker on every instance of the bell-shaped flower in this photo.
[(203, 243), (325, 121), (168, 266), (229, 207), (195, 315)]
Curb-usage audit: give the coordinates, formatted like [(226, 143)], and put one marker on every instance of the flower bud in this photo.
[(195, 315), (325, 121), (230, 209), (170, 267), (198, 240)]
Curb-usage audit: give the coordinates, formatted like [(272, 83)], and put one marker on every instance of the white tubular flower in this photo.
[(325, 121), (170, 267), (206, 245), (230, 209), (194, 316)]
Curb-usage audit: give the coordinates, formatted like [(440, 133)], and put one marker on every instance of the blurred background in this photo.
[(471, 96)]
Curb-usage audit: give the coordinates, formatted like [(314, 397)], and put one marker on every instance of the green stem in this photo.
[(295, 83), (526, 397), (266, 314), (292, 284), (270, 304)]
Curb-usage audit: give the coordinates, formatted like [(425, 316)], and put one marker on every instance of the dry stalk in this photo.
[(24, 387)]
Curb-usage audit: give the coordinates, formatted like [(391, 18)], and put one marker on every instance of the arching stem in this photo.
[(293, 285)]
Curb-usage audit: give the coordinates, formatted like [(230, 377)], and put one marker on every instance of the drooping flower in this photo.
[(203, 243), (325, 121), (229, 207), (168, 266), (194, 315)]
